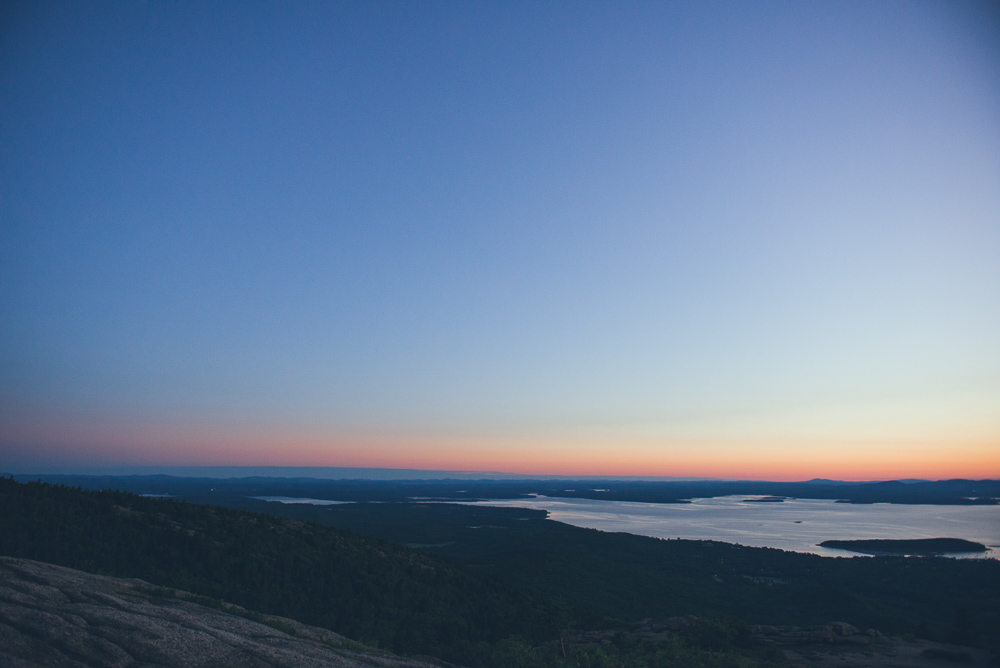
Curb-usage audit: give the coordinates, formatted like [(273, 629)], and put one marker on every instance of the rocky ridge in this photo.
[(55, 616)]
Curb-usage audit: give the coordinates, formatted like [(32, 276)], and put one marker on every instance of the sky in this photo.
[(712, 239)]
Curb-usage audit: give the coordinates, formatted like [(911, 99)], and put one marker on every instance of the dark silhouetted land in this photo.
[(936, 492), (921, 546), (477, 585)]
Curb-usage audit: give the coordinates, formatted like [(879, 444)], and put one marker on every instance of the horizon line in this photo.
[(379, 473)]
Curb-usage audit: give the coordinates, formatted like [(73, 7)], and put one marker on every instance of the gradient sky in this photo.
[(747, 239)]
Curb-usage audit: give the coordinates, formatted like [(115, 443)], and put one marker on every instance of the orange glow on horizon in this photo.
[(141, 443)]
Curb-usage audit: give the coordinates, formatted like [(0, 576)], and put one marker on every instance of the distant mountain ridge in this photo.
[(344, 473), (311, 472), (940, 492)]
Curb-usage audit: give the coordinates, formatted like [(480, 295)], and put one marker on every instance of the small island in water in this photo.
[(922, 546)]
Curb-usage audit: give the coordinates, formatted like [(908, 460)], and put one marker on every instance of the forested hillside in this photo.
[(492, 587), (367, 589), (625, 576)]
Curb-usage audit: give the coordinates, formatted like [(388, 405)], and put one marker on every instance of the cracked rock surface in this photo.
[(55, 616)]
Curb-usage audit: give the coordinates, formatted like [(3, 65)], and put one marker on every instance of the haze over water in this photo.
[(795, 524)]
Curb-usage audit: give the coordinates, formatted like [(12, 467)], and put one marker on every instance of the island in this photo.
[(923, 546)]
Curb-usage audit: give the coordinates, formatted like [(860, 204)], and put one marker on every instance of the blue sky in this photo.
[(659, 236)]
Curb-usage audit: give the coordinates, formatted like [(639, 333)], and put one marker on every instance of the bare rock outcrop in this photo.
[(54, 616)]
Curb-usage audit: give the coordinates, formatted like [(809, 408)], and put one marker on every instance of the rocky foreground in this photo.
[(54, 616)]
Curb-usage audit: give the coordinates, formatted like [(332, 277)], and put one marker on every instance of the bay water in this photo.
[(793, 524)]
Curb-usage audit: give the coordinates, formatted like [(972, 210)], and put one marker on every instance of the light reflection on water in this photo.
[(299, 499), (795, 524)]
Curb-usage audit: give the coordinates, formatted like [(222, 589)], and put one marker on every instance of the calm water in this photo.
[(795, 524), (299, 499)]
